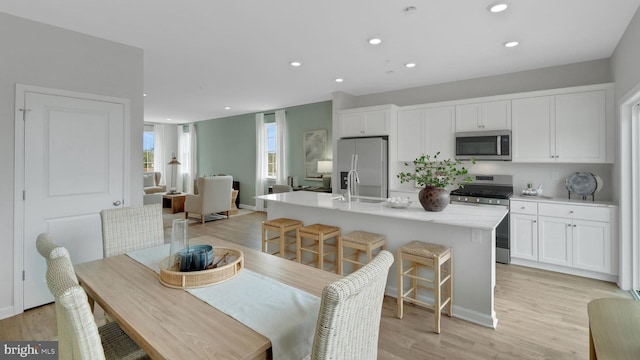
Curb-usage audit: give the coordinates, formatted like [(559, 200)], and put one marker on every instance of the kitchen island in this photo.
[(468, 230)]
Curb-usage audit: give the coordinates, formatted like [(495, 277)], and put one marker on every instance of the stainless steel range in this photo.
[(490, 190)]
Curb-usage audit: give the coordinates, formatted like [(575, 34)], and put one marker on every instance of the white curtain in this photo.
[(261, 161), (187, 156), (281, 150), (159, 161)]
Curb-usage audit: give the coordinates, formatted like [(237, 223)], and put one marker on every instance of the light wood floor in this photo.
[(542, 315)]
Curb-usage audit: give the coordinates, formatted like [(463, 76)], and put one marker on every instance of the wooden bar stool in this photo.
[(284, 227), (319, 233), (430, 256), (360, 241)]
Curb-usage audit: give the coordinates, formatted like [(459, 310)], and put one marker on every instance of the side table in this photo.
[(174, 201), (234, 197)]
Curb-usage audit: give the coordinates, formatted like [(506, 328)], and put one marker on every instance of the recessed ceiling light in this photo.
[(410, 9), (339, 80), (295, 63), (145, 94), (168, 119), (511, 44), (498, 7), (227, 108), (375, 41), (410, 65)]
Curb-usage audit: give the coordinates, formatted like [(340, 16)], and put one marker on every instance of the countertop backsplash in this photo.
[(550, 176)]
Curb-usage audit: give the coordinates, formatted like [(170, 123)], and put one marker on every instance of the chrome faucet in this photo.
[(352, 179)]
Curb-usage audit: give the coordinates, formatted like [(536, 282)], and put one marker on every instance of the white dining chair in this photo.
[(349, 318), (131, 228), (78, 335)]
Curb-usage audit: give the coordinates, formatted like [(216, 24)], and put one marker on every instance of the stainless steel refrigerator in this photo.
[(369, 157)]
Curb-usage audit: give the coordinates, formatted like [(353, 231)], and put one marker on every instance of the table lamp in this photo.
[(174, 163), (325, 167)]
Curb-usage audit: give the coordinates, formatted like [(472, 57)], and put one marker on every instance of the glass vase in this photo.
[(179, 242)]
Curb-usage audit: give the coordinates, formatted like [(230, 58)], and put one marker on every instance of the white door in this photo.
[(74, 168)]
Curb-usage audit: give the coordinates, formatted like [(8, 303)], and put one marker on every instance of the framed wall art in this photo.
[(314, 143)]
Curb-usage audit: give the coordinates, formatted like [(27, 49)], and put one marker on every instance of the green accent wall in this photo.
[(228, 145)]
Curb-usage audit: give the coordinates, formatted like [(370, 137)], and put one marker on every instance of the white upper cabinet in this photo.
[(533, 132), (426, 131), (494, 115), (369, 121), (568, 128), (581, 127)]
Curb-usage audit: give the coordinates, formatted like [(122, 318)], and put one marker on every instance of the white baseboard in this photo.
[(7, 312), (248, 207), (457, 311)]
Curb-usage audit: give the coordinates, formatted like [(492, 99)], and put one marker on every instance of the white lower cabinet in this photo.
[(592, 245), (571, 238), (524, 232), (555, 240)]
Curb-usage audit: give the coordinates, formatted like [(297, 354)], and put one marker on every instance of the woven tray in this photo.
[(227, 269)]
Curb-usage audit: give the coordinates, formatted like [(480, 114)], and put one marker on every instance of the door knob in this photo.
[(117, 203)]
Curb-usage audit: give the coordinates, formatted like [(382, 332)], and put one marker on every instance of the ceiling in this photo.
[(201, 56)]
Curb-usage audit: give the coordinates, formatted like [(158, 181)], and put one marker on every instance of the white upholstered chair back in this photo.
[(78, 335), (279, 188), (214, 196), (350, 309), (131, 228)]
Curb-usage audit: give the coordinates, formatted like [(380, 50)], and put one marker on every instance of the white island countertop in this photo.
[(479, 217)]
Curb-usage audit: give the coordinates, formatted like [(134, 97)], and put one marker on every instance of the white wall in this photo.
[(47, 56), (625, 59), (626, 74), (584, 73)]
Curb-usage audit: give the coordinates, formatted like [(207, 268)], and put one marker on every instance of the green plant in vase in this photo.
[(434, 176)]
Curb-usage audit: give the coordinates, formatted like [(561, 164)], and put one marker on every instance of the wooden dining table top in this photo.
[(171, 323)]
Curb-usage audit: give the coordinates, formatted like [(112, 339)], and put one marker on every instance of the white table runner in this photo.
[(282, 313)]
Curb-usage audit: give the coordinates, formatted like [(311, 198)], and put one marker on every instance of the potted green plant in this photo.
[(435, 175)]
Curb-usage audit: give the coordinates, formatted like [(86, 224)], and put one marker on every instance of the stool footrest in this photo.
[(418, 302), (416, 277)]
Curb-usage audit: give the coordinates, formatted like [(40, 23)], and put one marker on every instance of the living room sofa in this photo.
[(152, 188)]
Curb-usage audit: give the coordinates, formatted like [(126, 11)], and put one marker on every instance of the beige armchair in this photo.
[(214, 196)]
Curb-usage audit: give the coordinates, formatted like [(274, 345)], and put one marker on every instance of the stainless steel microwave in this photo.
[(484, 145)]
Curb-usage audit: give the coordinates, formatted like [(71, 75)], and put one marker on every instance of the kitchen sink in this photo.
[(368, 200), (363, 199)]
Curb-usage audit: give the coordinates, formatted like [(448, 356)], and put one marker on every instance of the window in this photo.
[(270, 133), (147, 148)]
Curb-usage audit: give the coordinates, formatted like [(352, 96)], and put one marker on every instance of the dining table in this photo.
[(170, 323)]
